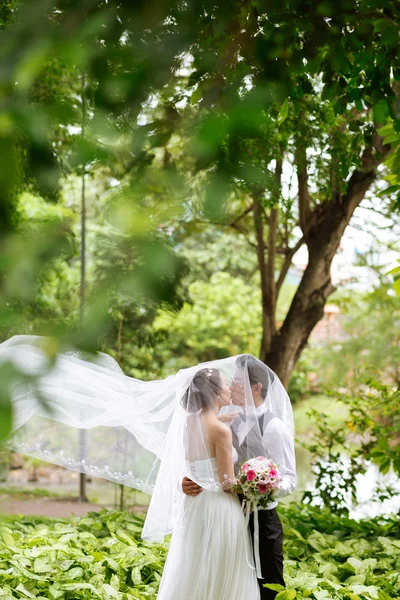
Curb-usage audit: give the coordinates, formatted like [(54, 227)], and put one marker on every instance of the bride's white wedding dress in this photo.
[(210, 555)]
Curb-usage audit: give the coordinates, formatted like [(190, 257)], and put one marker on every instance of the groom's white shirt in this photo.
[(279, 447)]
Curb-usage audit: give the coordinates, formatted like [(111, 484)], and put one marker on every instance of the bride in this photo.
[(83, 413), (210, 551)]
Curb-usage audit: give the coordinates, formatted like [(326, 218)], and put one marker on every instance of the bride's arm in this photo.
[(223, 449)]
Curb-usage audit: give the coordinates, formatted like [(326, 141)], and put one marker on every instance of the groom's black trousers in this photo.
[(271, 550)]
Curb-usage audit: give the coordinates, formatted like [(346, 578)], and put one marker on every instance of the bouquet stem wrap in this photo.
[(252, 507)]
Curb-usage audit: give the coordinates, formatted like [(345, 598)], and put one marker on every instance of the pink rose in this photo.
[(262, 488), (251, 475), (260, 457), (273, 473), (245, 467)]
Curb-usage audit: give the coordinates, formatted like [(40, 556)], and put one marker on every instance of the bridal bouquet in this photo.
[(258, 481)]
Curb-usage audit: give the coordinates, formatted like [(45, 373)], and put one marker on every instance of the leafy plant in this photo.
[(101, 556), (341, 452)]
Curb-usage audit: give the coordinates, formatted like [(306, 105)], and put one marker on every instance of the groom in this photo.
[(278, 445)]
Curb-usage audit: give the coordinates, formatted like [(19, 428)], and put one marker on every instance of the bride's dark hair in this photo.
[(205, 386)]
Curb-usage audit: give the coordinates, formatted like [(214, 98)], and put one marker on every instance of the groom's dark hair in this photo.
[(258, 372)]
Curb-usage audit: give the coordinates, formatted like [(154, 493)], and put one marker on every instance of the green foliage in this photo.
[(369, 344), (340, 452), (222, 319), (396, 276), (333, 557), (102, 556), (182, 112)]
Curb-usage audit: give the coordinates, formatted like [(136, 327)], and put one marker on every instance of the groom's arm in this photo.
[(279, 444), (190, 488)]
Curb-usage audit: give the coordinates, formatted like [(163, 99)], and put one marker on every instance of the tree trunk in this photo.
[(323, 238)]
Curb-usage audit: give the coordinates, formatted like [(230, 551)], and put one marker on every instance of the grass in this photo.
[(304, 424), (22, 493)]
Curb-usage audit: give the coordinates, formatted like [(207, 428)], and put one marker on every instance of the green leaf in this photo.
[(381, 111), (5, 417), (64, 565), (286, 595), (329, 90), (356, 563), (369, 590), (42, 565), (136, 576), (8, 539), (283, 112), (55, 591), (29, 593), (75, 573), (321, 594), (276, 587), (110, 591)]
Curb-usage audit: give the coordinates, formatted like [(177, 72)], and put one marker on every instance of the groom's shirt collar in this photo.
[(261, 410)]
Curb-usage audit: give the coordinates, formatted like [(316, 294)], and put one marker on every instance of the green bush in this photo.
[(102, 556), (99, 556)]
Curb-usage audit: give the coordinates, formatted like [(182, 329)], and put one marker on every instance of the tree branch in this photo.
[(243, 214), (286, 264), (362, 178), (261, 250), (304, 196), (229, 225), (270, 266)]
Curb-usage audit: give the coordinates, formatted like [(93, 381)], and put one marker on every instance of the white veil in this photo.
[(83, 413)]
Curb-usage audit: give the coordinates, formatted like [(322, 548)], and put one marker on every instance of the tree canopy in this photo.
[(273, 119)]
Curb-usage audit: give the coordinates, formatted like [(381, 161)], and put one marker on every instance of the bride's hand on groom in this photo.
[(190, 488)]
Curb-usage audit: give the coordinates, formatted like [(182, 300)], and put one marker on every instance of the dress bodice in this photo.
[(206, 470)]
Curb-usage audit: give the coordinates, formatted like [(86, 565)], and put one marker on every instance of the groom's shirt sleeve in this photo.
[(279, 445)]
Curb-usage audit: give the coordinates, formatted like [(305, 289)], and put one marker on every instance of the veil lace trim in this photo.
[(79, 465)]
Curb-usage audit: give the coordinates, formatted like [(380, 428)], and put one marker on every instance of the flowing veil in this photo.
[(83, 413)]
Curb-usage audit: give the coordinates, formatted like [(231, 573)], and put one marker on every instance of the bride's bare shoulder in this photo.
[(220, 433)]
